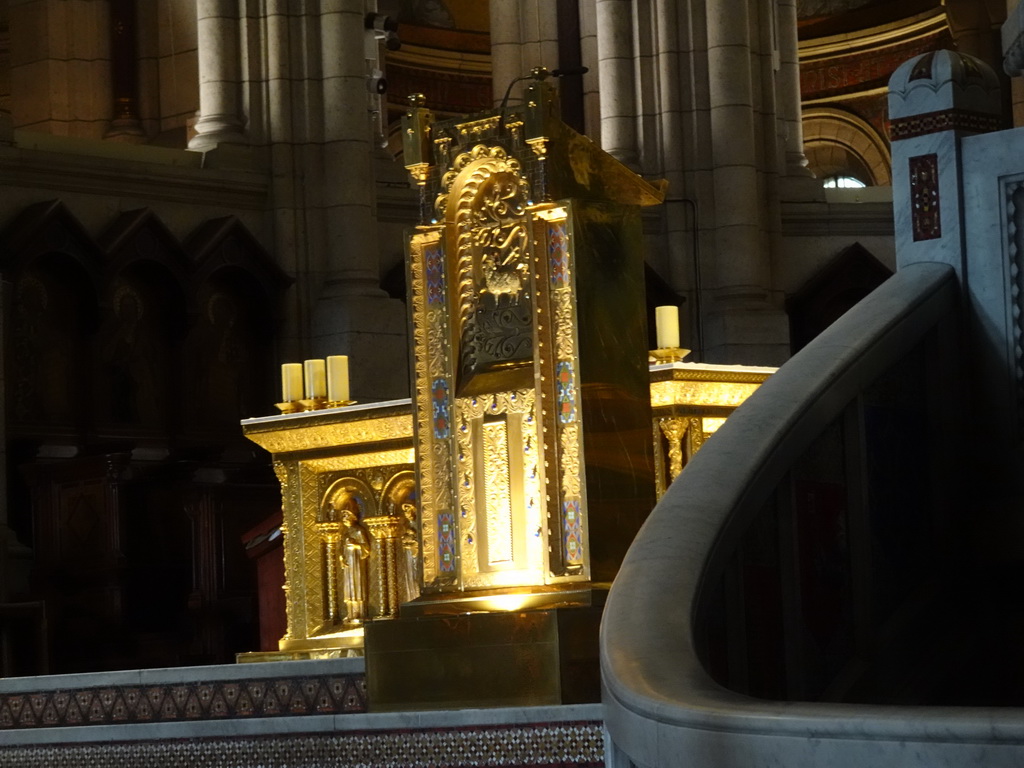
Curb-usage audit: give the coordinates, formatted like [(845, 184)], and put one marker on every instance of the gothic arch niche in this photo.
[(401, 503), (238, 293), (346, 545), (231, 346), (53, 320), (838, 142), (139, 353), (54, 268)]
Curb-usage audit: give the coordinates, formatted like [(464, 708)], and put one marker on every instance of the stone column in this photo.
[(617, 79), (352, 315), (506, 53), (789, 89), (524, 35), (588, 50), (740, 249), (539, 28), (351, 226), (220, 119)]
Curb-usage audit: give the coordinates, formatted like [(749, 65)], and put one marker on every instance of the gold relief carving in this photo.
[(690, 372), (398, 457), (327, 432), (570, 437), (310, 594), (330, 533), (491, 245), (349, 502), (523, 484), (291, 526), (659, 460), (470, 411), (565, 333), (477, 129), (720, 393), (430, 360), (436, 343), (385, 532), (696, 433), (497, 485), (674, 431)]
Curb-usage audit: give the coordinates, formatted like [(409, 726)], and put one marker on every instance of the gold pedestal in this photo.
[(493, 659)]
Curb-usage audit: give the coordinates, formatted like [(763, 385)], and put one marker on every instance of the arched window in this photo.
[(840, 181)]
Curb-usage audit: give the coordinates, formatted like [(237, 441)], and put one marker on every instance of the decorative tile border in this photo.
[(577, 744), (215, 700), (935, 122)]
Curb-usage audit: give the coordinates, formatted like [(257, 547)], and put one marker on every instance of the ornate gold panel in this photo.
[(497, 497), (499, 490), (718, 393), (690, 402), (316, 483)]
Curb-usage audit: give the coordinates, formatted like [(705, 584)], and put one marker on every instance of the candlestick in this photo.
[(666, 320), (291, 382), (337, 378), (316, 379)]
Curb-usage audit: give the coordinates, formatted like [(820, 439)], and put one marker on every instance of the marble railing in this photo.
[(661, 705)]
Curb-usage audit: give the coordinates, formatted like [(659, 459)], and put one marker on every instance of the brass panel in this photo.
[(513, 659), (472, 660), (615, 400)]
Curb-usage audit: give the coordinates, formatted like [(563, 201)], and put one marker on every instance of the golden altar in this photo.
[(367, 450)]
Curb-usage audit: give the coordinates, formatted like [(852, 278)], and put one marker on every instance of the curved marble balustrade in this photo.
[(661, 706)]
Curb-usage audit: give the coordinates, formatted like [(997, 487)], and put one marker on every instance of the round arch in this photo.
[(840, 142)]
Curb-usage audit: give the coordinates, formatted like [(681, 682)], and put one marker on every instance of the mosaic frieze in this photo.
[(220, 700)]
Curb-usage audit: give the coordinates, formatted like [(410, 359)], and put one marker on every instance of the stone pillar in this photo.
[(351, 315), (588, 51), (954, 203), (617, 79), (540, 34), (789, 89), (506, 53), (927, 183), (220, 119), (348, 171), (524, 35), (740, 248)]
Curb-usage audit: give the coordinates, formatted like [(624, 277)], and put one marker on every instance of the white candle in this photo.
[(666, 320), (337, 378), (291, 382), (316, 379)]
